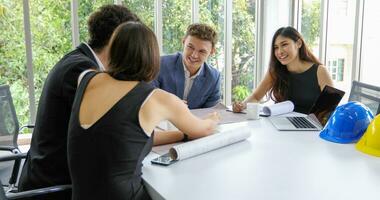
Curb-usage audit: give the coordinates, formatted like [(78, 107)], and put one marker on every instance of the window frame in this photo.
[(294, 20)]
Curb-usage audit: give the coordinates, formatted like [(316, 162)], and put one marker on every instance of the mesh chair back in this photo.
[(9, 126), (367, 94), (2, 193)]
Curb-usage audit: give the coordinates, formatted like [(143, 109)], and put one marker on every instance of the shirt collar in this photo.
[(100, 64)]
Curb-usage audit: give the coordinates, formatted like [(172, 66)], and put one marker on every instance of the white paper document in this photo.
[(226, 117), (278, 108), (209, 143)]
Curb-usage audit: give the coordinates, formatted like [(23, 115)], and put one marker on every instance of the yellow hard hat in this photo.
[(370, 142)]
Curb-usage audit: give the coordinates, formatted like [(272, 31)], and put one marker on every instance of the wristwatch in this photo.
[(185, 137)]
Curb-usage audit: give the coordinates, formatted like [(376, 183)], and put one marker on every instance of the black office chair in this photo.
[(367, 94), (9, 129), (38, 193)]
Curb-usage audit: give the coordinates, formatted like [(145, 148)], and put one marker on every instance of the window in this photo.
[(51, 32), (144, 9), (276, 16), (342, 7), (370, 43), (340, 69), (12, 54), (49, 19), (310, 24), (243, 48), (176, 17), (336, 69), (340, 37), (211, 12)]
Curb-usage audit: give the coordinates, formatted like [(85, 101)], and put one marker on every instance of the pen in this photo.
[(242, 112)]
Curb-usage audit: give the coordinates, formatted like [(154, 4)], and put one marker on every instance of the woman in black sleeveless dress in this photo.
[(294, 73), (114, 115)]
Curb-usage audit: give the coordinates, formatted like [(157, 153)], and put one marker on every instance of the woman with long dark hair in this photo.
[(294, 73)]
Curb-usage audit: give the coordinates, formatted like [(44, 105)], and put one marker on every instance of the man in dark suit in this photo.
[(187, 75), (46, 163)]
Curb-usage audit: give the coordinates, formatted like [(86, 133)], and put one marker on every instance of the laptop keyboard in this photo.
[(300, 122)]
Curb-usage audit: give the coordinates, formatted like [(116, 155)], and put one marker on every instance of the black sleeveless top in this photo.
[(304, 89), (105, 160)]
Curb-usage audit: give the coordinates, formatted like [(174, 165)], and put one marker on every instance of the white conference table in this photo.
[(269, 165)]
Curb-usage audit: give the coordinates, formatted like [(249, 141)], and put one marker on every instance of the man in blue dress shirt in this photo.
[(187, 75)]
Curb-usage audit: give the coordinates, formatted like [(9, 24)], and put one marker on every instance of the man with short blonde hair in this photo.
[(187, 75)]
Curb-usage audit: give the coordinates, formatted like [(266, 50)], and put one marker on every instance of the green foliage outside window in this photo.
[(12, 55), (211, 13), (243, 48), (176, 16), (144, 9), (240, 92), (51, 38), (311, 22)]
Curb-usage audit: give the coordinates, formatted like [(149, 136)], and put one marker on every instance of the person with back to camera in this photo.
[(294, 73), (113, 118), (46, 162)]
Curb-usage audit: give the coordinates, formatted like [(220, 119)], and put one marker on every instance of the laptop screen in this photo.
[(326, 103)]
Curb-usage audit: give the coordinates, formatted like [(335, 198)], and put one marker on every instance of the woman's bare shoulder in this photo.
[(322, 70), (163, 96)]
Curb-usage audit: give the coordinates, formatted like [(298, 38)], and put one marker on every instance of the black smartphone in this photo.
[(264, 115), (164, 160)]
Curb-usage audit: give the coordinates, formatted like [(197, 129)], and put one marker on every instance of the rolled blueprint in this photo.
[(209, 143)]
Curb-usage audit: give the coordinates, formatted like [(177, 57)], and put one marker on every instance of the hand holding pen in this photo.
[(239, 106)]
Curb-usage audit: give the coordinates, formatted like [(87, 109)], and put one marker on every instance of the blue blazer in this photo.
[(205, 91)]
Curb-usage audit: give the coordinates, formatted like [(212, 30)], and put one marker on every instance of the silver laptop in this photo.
[(318, 115)]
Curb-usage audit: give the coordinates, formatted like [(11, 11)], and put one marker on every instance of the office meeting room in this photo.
[(189, 99)]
